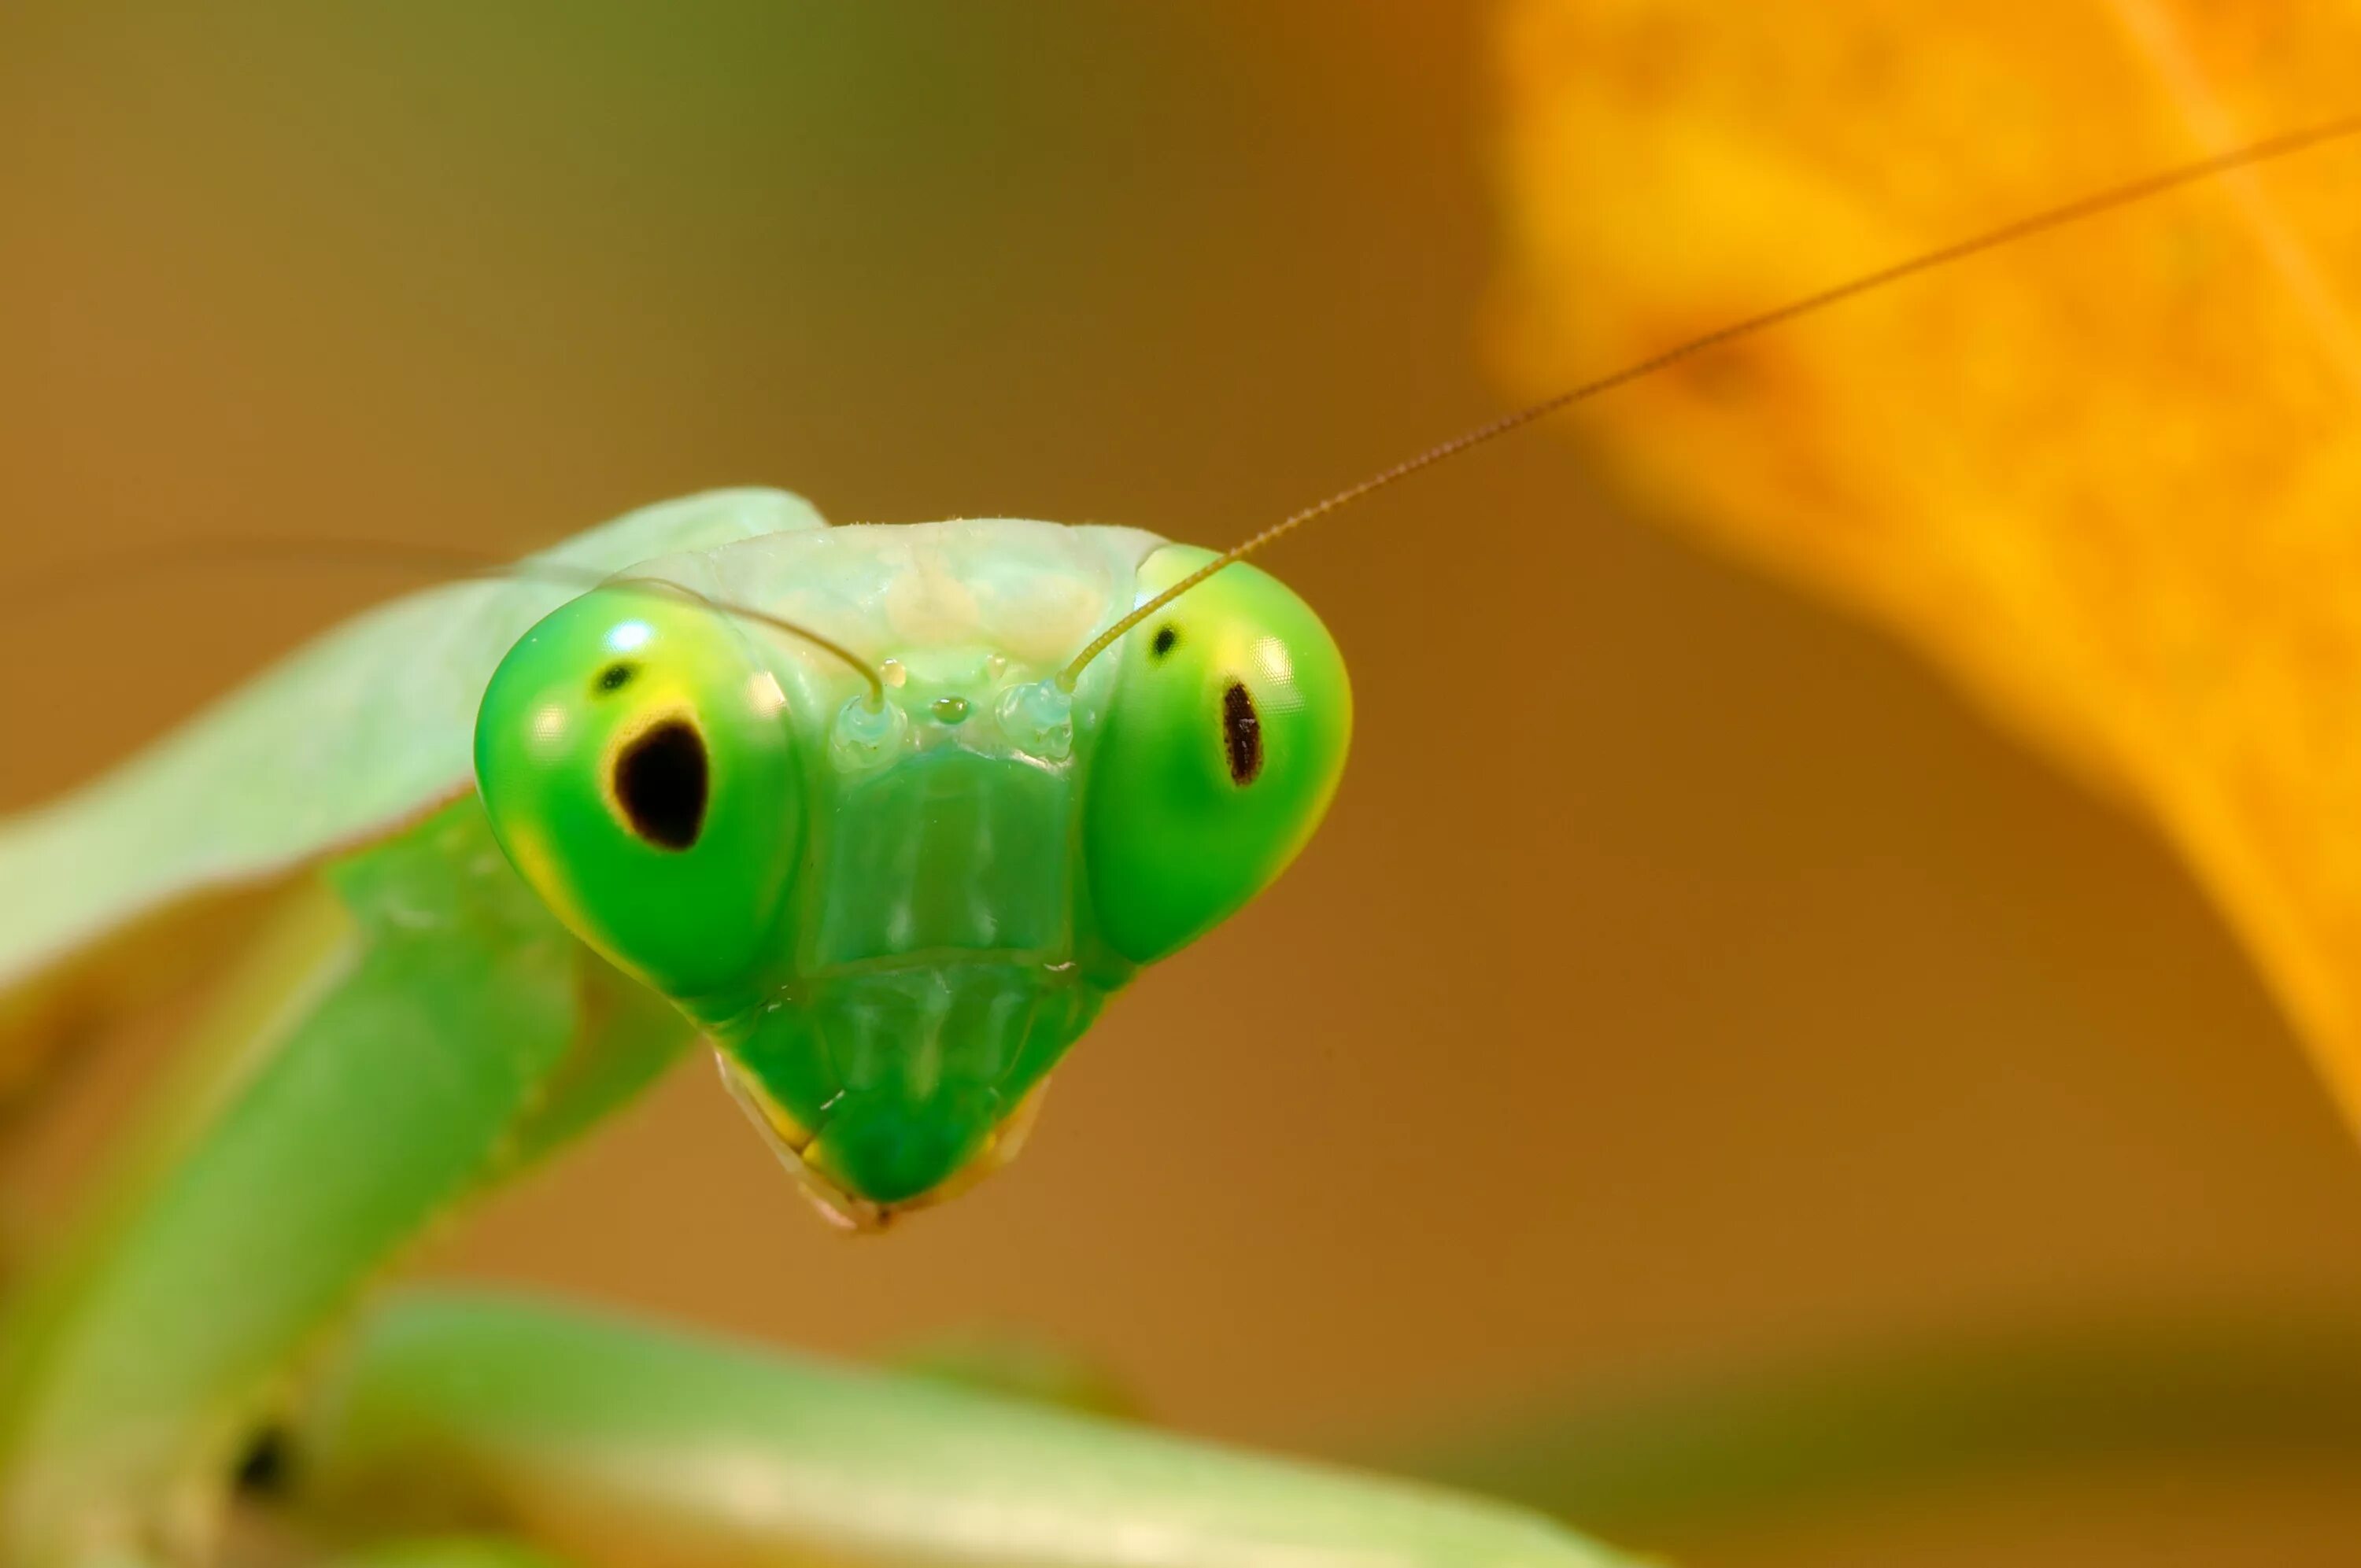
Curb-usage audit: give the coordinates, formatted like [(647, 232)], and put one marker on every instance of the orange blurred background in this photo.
[(1685, 983)]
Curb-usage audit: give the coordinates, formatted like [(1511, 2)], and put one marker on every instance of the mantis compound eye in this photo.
[(1219, 754), (635, 757)]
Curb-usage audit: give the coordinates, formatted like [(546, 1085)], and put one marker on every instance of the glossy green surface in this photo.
[(558, 724), (1221, 752)]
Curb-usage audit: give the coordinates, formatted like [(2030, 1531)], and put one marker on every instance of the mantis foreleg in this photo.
[(414, 1035), (618, 1444)]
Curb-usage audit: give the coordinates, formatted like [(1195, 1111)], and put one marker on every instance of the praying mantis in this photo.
[(885, 814)]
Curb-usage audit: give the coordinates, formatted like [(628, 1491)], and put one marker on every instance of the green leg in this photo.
[(406, 1041), (618, 1444)]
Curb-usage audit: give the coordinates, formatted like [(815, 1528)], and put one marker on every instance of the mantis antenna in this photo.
[(2281, 145), (459, 564)]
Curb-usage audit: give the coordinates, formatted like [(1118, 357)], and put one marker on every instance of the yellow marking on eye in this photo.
[(528, 847)]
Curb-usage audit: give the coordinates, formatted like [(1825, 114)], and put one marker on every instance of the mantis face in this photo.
[(893, 908)]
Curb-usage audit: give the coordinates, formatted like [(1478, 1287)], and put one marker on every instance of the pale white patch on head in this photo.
[(909, 595), (1041, 618), (929, 602), (764, 694)]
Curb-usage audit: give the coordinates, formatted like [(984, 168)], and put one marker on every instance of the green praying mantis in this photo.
[(883, 815)]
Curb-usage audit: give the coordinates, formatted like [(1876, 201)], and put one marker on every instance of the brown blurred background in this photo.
[(1685, 983)]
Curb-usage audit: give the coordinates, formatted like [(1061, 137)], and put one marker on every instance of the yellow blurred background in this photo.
[(1685, 983)]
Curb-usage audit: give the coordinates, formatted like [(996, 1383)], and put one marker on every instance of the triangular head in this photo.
[(895, 887)]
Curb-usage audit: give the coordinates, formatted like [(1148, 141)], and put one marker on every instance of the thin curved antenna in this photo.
[(438, 561), (2124, 195)]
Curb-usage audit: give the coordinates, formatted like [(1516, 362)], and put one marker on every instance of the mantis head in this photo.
[(894, 895)]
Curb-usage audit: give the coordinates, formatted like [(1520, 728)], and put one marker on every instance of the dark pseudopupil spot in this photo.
[(262, 1470), (1241, 733), (615, 677), (661, 783), (1167, 638)]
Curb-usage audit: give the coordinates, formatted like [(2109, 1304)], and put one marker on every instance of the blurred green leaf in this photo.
[(1845, 1432)]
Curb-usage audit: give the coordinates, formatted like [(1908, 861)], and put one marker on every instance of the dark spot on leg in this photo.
[(1168, 637), (264, 1468)]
